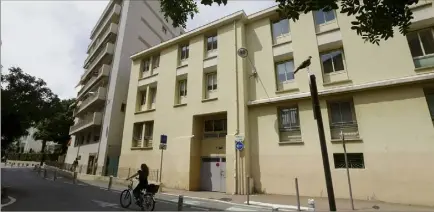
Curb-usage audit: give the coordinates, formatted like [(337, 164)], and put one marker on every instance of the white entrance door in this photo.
[(213, 174)]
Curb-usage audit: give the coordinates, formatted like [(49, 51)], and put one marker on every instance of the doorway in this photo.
[(90, 164), (213, 174)]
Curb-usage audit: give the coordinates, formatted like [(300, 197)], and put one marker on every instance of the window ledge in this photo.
[(352, 140), (145, 111), (281, 43), (147, 77), (209, 100), (337, 82), (299, 142), (424, 69), (180, 105), (142, 148), (210, 57), (287, 90)]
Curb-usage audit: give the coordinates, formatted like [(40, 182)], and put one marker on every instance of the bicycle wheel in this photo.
[(148, 203), (125, 198)]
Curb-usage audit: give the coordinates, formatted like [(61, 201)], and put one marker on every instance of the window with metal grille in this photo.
[(342, 118), (289, 124), (355, 160)]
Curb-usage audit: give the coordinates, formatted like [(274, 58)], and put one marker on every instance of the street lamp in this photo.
[(318, 117)]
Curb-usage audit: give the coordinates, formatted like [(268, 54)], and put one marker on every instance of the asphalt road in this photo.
[(33, 193)]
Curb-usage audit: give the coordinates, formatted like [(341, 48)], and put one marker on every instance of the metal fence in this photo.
[(120, 172)]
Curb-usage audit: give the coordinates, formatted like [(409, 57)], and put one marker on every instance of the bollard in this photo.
[(180, 202), (45, 173), (129, 172), (311, 204), (39, 170), (298, 194), (248, 189), (74, 179), (110, 182), (55, 174), (275, 209)]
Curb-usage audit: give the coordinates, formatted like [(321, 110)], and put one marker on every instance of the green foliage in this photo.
[(25, 100), (56, 126), (31, 156), (375, 19)]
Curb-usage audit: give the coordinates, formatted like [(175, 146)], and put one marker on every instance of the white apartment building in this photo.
[(124, 28)]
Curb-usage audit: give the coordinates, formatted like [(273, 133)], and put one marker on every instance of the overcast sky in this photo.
[(48, 39)]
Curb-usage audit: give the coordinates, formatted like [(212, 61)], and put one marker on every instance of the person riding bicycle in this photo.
[(143, 174)]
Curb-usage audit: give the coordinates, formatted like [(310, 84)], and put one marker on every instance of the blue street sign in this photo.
[(163, 139), (239, 145)]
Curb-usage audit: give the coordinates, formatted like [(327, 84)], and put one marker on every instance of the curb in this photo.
[(287, 207)]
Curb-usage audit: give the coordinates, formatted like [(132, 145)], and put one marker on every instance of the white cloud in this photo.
[(48, 39)]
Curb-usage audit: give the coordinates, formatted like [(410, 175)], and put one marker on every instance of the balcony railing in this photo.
[(349, 129), (112, 29), (103, 72), (290, 134), (87, 121), (99, 95), (113, 17), (139, 143)]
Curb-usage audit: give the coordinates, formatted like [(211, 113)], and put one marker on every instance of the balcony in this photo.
[(103, 72), (109, 36), (94, 119), (112, 17), (104, 57), (92, 101), (350, 131)]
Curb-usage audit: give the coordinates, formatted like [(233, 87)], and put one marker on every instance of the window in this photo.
[(123, 106), (146, 64), (149, 130), (211, 81), (156, 61), (96, 138), (333, 61), (342, 117), (422, 47), (322, 17), (184, 52), (183, 88), (137, 133), (355, 160), (211, 43), (289, 122), (143, 97), (215, 128), (429, 95), (154, 94), (285, 71), (280, 28)]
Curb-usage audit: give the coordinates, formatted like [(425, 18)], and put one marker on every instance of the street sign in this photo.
[(239, 138), (239, 145), (163, 146), (163, 139)]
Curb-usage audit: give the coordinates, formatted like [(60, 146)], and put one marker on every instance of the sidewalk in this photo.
[(321, 204)]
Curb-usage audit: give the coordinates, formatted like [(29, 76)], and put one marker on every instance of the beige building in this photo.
[(124, 28), (206, 98)]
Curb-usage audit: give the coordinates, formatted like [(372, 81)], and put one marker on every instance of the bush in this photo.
[(31, 156)]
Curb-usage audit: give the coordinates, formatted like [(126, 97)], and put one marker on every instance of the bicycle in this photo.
[(147, 197)]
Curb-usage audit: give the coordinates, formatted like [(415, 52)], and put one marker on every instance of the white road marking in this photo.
[(235, 208), (105, 204), (12, 200), (80, 184)]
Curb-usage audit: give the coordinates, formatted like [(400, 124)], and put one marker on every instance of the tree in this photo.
[(55, 127), (375, 19), (25, 101)]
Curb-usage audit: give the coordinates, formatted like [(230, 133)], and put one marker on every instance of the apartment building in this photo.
[(124, 28), (204, 98)]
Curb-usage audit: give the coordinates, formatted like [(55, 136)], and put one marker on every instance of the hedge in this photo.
[(31, 156)]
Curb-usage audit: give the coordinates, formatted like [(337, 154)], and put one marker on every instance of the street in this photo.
[(29, 191), (33, 193)]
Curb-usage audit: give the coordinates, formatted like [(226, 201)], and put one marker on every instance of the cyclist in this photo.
[(143, 174)]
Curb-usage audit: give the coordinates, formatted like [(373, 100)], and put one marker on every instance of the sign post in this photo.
[(163, 146)]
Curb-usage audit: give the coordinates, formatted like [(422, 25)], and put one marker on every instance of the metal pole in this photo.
[(129, 172), (322, 140), (298, 194), (110, 182), (180, 202), (74, 179), (45, 173), (248, 189), (55, 174), (348, 170), (161, 165)]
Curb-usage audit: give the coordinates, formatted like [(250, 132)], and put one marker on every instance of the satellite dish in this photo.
[(242, 52)]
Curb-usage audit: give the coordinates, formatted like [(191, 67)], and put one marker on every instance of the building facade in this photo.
[(124, 28), (204, 97)]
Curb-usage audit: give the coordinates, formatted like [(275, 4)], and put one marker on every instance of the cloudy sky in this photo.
[(48, 39)]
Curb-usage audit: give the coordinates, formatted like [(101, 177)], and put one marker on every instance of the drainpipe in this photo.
[(237, 110)]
